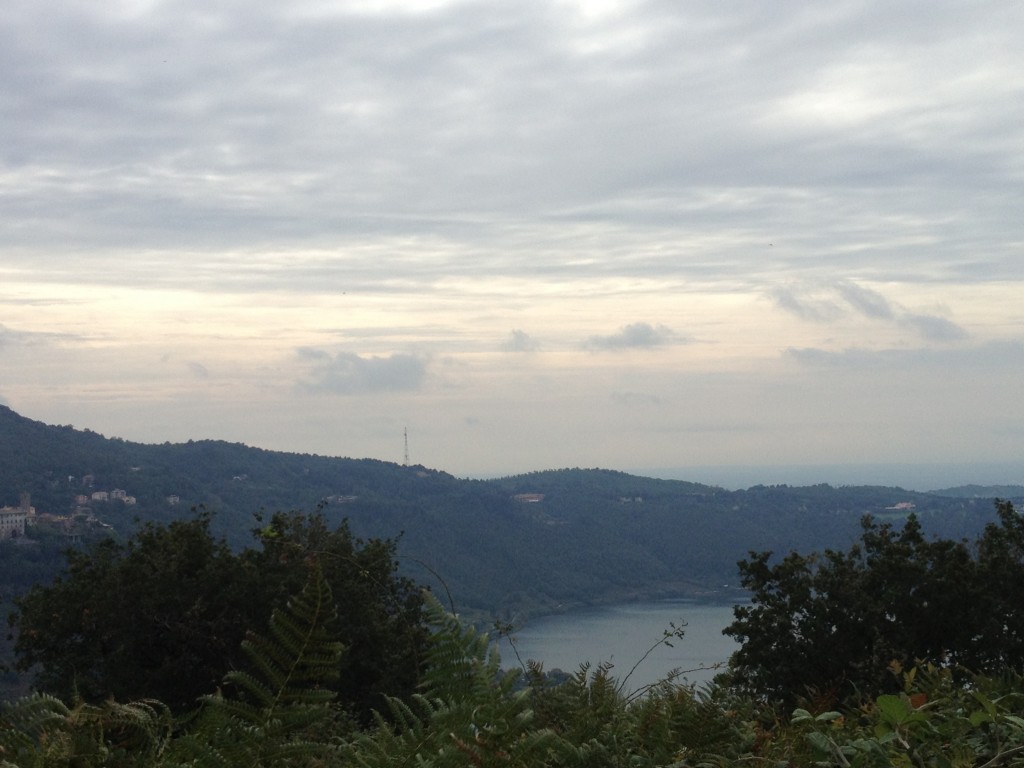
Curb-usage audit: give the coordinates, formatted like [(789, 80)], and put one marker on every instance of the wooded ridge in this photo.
[(527, 544)]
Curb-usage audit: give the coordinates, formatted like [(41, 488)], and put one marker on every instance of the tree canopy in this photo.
[(832, 623), (469, 712), (164, 614)]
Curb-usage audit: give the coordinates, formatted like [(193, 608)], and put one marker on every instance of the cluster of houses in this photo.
[(115, 495), (14, 520)]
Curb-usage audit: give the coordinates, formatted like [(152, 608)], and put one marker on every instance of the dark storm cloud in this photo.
[(635, 336), (347, 373)]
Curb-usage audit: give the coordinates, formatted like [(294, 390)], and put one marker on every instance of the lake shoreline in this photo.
[(628, 637), (702, 595)]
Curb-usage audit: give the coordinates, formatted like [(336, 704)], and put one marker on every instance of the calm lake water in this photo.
[(621, 634)]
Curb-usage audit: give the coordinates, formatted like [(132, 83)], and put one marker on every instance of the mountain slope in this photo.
[(537, 542)]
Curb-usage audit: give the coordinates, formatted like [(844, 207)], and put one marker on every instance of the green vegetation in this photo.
[(164, 615), (588, 536), (468, 712), (893, 597), (182, 642), (280, 705)]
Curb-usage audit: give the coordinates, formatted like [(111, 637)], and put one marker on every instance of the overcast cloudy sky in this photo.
[(536, 234)]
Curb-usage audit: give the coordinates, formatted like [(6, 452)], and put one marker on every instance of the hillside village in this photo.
[(17, 523)]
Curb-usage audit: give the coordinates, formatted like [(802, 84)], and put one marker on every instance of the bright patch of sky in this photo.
[(618, 234)]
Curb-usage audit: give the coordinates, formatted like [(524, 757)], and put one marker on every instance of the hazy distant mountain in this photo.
[(536, 542), (912, 476), (1012, 492)]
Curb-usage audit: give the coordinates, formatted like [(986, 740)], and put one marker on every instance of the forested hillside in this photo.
[(531, 543), (897, 640)]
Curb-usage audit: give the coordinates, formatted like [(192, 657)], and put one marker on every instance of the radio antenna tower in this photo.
[(406, 434)]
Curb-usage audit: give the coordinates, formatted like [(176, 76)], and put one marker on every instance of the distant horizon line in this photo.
[(910, 476), (917, 477)]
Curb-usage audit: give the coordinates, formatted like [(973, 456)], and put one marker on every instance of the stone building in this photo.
[(13, 519)]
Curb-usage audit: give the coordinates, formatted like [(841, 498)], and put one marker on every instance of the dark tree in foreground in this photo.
[(381, 615), (164, 615), (833, 623)]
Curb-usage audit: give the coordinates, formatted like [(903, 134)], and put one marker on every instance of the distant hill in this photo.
[(1012, 492), (531, 543)]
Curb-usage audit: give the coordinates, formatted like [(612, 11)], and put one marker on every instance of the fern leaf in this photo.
[(468, 714), (280, 700), (41, 730)]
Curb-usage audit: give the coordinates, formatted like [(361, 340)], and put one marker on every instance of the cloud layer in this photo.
[(634, 336), (347, 373), (832, 302), (616, 225)]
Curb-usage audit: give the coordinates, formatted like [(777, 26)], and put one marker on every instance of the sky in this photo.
[(530, 234)]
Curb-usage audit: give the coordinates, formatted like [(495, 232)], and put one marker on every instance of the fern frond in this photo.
[(460, 660), (468, 714), (41, 730), (31, 716), (143, 727), (298, 654), (27, 722), (280, 701)]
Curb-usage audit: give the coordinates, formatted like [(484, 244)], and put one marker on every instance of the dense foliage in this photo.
[(894, 596), (523, 545), (470, 713), (164, 614), (279, 703), (171, 647)]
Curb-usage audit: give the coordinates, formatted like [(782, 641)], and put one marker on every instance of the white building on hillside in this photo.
[(13, 519)]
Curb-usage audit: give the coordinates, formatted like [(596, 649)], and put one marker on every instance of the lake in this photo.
[(622, 634)]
